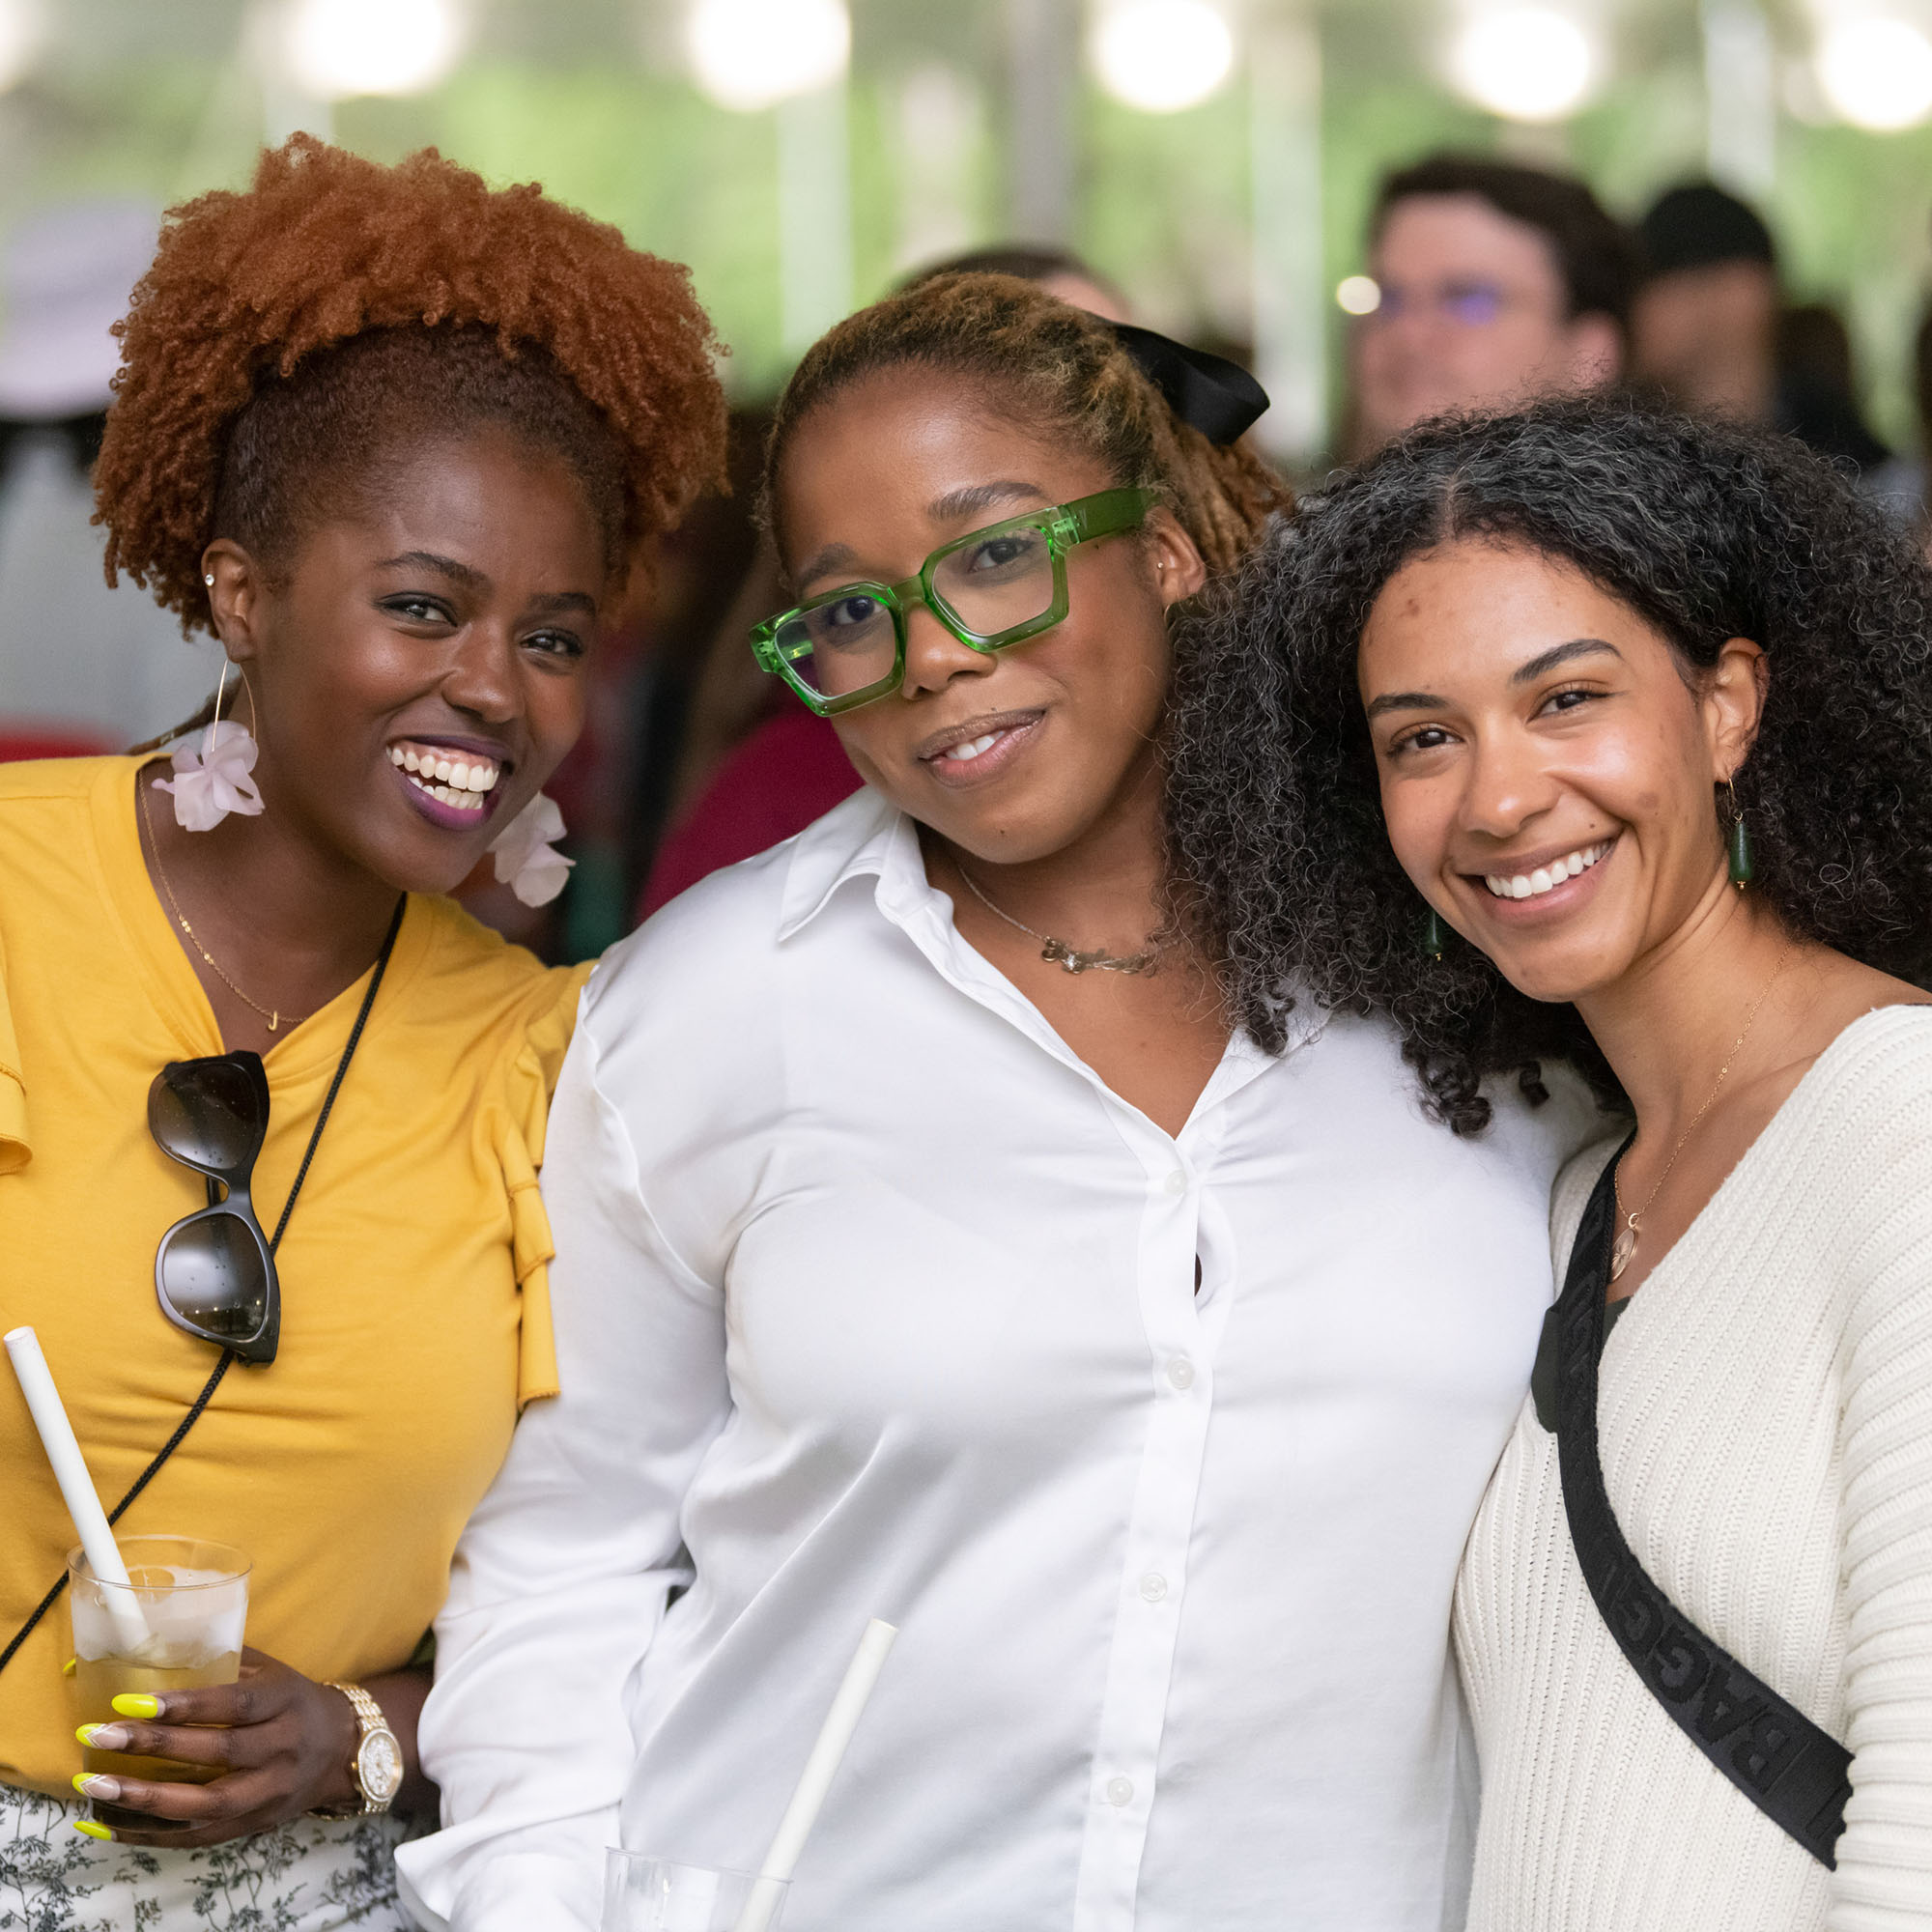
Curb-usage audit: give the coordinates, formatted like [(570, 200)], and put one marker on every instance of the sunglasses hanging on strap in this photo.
[(1795, 1772), (214, 1272)]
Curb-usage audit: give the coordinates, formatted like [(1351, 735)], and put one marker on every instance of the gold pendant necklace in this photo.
[(1057, 952), (1624, 1248), (270, 1014)]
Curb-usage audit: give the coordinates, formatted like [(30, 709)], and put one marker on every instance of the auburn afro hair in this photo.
[(254, 299)]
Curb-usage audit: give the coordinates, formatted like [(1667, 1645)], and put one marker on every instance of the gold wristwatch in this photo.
[(378, 1764)]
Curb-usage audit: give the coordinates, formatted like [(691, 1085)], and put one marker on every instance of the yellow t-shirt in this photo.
[(415, 1303)]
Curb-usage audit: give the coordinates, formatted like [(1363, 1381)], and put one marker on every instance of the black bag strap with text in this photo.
[(1796, 1773)]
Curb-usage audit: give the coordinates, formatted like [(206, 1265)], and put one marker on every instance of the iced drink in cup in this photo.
[(646, 1894), (192, 1597)]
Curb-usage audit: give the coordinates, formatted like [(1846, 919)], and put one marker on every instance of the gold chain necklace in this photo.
[(1057, 952), (1625, 1247), (271, 1014)]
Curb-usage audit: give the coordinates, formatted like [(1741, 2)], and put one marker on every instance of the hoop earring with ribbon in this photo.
[(212, 778)]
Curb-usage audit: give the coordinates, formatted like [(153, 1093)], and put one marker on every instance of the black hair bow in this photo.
[(1215, 396)]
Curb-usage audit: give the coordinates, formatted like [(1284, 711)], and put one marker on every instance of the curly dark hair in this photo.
[(287, 336), (1064, 369), (1708, 531)]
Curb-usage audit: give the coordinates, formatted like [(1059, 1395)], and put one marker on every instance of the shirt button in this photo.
[(1154, 1586), (1120, 1791), (1177, 1182), (1180, 1372)]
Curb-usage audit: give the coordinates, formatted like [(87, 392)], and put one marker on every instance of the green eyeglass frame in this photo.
[(1105, 514)]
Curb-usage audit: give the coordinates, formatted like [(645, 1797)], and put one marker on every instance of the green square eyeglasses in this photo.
[(990, 588)]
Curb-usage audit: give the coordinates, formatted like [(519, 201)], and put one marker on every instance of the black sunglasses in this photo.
[(215, 1270)]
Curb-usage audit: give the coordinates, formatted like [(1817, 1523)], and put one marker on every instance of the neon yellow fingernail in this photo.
[(88, 1829), (91, 1784), (137, 1704), (102, 1736)]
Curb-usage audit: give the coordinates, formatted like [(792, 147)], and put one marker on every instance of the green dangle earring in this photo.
[(1434, 938), (1737, 843)]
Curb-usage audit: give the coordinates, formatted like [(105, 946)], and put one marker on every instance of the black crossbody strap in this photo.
[(220, 1369), (1796, 1773)]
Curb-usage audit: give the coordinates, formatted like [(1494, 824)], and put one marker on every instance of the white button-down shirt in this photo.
[(871, 1299)]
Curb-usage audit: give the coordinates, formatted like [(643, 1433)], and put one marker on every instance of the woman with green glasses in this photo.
[(930, 1249)]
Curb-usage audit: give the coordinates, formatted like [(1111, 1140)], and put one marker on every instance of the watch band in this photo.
[(378, 1764)]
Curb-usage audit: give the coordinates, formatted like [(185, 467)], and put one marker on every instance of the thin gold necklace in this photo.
[(1057, 952), (271, 1014), (1625, 1247)]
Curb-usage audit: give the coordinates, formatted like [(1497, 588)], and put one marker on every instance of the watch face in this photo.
[(379, 1766)]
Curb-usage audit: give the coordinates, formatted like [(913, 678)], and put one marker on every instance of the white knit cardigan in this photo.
[(1766, 1420)]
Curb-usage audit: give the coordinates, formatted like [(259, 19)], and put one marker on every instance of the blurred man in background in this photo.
[(1704, 326), (1498, 283), (1711, 333)]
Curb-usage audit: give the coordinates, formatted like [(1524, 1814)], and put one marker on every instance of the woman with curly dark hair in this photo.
[(927, 1249), (1600, 733), (396, 440)]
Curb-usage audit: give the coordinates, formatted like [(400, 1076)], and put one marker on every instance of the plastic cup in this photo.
[(646, 1894), (193, 1601)]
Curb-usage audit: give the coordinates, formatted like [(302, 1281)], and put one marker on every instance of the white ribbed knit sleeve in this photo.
[(1877, 1185)]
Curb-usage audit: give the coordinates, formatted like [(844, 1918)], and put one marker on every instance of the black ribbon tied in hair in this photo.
[(1208, 393)]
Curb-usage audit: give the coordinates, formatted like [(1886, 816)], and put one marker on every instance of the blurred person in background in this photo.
[(1711, 333), (1818, 403), (396, 438), (1498, 283), (1704, 324), (752, 770), (83, 667)]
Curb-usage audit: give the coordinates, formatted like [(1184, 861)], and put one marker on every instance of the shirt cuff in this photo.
[(514, 1891)]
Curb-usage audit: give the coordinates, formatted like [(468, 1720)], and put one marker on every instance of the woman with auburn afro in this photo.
[(396, 440)]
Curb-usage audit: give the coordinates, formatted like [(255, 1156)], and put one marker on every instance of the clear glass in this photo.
[(193, 1597), (647, 1894), (991, 588)]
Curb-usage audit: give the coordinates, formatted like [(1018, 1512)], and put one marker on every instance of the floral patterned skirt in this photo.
[(313, 1875)]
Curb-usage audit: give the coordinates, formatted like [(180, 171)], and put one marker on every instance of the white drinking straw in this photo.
[(820, 1768), (76, 1486)]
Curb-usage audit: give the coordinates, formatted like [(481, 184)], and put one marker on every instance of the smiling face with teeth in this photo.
[(417, 667), (1548, 761)]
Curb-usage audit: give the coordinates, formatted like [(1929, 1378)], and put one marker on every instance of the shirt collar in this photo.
[(864, 837), (867, 837)]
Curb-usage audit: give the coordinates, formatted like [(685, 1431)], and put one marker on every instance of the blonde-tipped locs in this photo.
[(1063, 369)]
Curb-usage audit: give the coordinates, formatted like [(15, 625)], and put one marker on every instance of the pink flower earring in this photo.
[(213, 778), (524, 850)]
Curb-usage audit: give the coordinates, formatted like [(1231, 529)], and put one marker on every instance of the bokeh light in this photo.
[(1876, 72), (1525, 62), (22, 24), (750, 54), (1162, 55), (338, 48), (1359, 294)]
